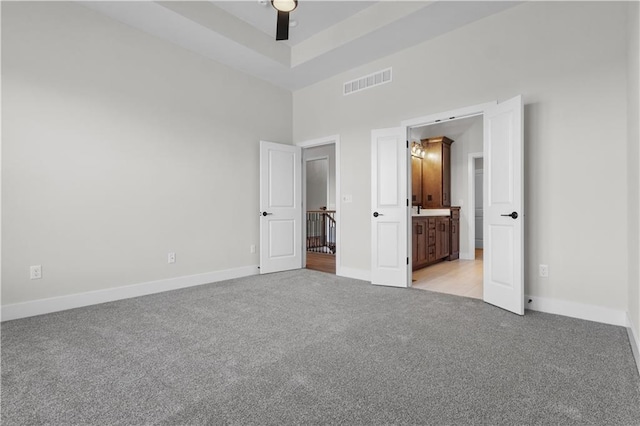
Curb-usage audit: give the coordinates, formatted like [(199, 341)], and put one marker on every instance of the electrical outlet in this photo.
[(544, 271), (35, 272), (171, 258), (347, 198), (252, 248)]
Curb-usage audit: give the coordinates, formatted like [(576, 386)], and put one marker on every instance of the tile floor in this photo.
[(458, 277)]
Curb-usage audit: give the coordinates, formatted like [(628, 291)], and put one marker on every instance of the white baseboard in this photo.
[(577, 310), (357, 274), (61, 303), (634, 340), (465, 255)]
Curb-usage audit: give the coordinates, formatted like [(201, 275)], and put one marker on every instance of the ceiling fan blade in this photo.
[(282, 28)]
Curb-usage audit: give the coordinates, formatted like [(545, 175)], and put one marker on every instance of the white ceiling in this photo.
[(331, 36)]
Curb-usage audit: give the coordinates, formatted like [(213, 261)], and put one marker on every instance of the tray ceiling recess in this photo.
[(330, 36)]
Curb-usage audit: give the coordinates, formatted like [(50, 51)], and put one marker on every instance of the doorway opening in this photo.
[(447, 204), (321, 225), (391, 191)]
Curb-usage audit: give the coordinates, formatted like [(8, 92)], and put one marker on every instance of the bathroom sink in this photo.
[(433, 212)]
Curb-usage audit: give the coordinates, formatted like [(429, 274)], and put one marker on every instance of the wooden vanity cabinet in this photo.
[(430, 240), (435, 238), (416, 181), (455, 234), (436, 172), (420, 233), (442, 237)]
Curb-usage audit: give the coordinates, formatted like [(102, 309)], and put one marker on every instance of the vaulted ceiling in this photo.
[(330, 36)]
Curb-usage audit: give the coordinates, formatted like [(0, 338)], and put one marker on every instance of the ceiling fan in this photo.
[(283, 7)]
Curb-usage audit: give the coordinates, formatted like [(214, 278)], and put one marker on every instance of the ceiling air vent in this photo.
[(367, 82)]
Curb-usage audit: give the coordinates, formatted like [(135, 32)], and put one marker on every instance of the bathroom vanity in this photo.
[(435, 236), (436, 227)]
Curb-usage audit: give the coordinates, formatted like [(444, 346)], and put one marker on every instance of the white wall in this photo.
[(119, 148), (468, 142), (330, 152), (317, 177), (573, 79), (633, 163)]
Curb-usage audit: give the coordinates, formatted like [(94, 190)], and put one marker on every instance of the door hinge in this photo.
[(407, 202), (407, 144), (407, 260)]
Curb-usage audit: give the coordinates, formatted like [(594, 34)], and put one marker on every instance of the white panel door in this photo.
[(389, 208), (280, 207), (503, 206)]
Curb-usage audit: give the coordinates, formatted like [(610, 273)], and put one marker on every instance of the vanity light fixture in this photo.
[(417, 150)]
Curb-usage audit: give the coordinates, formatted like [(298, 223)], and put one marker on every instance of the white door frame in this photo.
[(327, 140), (471, 201), (441, 117)]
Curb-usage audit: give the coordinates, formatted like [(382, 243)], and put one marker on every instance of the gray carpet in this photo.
[(307, 347)]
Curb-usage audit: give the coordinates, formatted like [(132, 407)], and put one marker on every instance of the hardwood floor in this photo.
[(458, 277), (323, 262)]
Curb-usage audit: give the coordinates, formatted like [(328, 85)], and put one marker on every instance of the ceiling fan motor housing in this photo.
[(283, 7)]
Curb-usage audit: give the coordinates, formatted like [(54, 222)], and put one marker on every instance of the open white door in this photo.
[(503, 206), (280, 207), (389, 208)]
